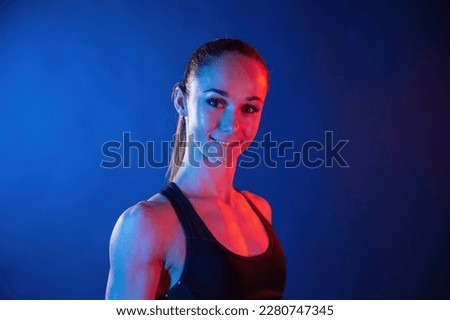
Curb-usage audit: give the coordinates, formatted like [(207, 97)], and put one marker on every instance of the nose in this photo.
[(228, 121)]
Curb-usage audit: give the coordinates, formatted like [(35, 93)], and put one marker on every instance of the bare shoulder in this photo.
[(142, 227), (138, 247), (261, 203)]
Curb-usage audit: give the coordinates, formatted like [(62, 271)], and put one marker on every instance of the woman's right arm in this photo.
[(136, 256)]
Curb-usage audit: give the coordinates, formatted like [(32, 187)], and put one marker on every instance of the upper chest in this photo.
[(237, 227)]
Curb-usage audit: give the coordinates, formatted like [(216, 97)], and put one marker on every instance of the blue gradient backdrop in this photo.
[(75, 74)]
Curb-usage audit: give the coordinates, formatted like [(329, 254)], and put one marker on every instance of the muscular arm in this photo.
[(136, 257)]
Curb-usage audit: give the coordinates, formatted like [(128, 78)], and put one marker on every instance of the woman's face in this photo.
[(224, 105)]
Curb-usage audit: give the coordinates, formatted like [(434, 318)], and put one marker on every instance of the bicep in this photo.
[(135, 261), (133, 283)]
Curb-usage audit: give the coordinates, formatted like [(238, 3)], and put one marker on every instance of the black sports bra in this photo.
[(212, 271)]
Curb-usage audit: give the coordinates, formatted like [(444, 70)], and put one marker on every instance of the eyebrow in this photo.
[(225, 94)]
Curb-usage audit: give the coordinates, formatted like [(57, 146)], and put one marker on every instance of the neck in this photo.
[(205, 181)]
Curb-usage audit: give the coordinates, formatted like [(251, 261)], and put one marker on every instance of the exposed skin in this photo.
[(148, 248)]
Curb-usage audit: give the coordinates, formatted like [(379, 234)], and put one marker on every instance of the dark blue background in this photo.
[(75, 74)]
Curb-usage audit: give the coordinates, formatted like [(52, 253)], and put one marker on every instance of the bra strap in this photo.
[(185, 212)]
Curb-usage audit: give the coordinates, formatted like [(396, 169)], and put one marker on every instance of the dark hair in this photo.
[(204, 56)]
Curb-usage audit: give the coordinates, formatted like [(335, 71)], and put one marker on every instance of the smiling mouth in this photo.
[(224, 143)]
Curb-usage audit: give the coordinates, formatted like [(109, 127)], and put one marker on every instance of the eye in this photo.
[(248, 108), (216, 102)]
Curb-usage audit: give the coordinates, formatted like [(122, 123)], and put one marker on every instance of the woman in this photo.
[(200, 238)]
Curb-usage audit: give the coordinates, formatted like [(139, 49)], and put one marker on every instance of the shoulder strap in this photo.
[(184, 210)]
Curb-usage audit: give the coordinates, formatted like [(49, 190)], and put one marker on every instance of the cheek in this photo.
[(202, 119), (208, 119), (250, 126)]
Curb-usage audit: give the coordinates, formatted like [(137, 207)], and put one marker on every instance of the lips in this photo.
[(222, 142)]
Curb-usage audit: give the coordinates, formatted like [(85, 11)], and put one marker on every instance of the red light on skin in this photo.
[(219, 154), (225, 104)]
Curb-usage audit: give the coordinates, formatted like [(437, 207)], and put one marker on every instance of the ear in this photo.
[(179, 98)]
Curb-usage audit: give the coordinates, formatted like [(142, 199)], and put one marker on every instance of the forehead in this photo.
[(234, 73)]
